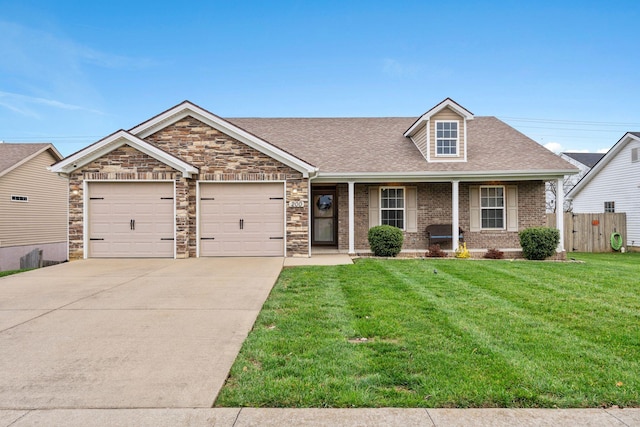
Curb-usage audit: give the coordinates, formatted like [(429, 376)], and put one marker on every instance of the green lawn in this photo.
[(10, 272), (478, 333)]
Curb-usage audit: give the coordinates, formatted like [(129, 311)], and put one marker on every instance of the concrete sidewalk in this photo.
[(384, 417)]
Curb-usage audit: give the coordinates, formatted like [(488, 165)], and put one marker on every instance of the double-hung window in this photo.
[(392, 206), (446, 138), (492, 207)]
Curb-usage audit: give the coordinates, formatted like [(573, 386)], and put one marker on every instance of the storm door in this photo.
[(324, 215)]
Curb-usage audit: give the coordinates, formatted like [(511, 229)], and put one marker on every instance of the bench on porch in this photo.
[(442, 233)]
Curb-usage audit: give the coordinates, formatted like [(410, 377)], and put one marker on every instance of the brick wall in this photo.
[(219, 158), (434, 207)]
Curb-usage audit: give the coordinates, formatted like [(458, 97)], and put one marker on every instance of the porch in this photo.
[(491, 213)]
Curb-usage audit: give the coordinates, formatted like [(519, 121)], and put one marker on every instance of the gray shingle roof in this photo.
[(14, 153), (344, 145), (587, 159)]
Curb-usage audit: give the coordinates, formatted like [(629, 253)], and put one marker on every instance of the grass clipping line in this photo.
[(392, 333)]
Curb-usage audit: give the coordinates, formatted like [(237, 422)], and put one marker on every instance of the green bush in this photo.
[(539, 242), (385, 240)]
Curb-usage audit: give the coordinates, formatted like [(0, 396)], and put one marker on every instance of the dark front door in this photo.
[(325, 217)]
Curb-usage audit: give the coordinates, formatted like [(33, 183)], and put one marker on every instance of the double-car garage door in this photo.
[(136, 219)]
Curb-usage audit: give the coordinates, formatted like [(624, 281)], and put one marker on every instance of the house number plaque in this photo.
[(296, 204)]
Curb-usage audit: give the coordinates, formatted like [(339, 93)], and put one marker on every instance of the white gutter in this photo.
[(444, 176)]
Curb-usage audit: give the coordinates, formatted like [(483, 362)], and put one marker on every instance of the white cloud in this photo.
[(21, 104), (602, 150), (553, 146)]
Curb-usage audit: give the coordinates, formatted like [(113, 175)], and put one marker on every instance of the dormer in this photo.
[(441, 133)]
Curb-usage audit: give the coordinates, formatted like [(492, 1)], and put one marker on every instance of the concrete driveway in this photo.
[(137, 333)]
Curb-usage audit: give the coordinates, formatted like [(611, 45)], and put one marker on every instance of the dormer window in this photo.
[(446, 138)]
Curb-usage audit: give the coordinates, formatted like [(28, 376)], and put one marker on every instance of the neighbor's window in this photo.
[(446, 138), (492, 207), (610, 207), (19, 198), (634, 155), (392, 206)]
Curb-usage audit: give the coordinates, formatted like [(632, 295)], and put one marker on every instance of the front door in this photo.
[(324, 217)]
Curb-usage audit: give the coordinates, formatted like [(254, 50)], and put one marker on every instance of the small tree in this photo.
[(385, 240), (539, 242)]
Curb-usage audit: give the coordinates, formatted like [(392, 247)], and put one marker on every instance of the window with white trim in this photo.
[(446, 138), (610, 207), (23, 199), (634, 155), (492, 207), (392, 206)]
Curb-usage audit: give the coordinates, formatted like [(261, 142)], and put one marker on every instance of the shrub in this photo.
[(493, 253), (385, 240), (435, 252), (539, 242)]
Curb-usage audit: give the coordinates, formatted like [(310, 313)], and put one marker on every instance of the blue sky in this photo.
[(565, 73)]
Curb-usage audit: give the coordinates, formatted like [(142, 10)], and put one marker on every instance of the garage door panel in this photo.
[(260, 206), (113, 206)]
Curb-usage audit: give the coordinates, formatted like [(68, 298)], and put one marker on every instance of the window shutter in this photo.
[(374, 206), (474, 208), (411, 209), (512, 208)]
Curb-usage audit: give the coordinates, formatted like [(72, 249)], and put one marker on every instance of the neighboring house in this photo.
[(187, 183), (613, 185), (33, 204), (584, 162)]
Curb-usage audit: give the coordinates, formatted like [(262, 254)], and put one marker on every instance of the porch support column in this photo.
[(560, 212), (455, 235), (352, 249)]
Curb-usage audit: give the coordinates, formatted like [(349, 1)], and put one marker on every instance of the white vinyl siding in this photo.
[(40, 219), (493, 208), (618, 181)]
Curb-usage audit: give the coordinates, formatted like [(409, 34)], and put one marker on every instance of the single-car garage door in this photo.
[(241, 219), (131, 220)]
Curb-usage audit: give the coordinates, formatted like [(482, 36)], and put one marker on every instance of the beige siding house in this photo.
[(33, 204), (300, 186)]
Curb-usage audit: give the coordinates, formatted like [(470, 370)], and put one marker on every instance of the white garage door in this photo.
[(242, 219), (131, 220)]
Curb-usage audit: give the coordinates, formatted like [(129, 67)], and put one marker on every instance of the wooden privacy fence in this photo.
[(584, 232)]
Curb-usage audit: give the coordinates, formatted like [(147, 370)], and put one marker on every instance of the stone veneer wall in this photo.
[(434, 207), (122, 164), (219, 158)]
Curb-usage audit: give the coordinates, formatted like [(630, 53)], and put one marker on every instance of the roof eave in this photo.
[(448, 102), (54, 151), (602, 163), (444, 176), (187, 108), (114, 141)]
